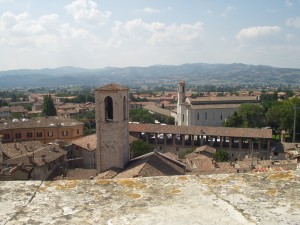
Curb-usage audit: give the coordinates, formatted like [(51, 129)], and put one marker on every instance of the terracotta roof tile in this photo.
[(111, 87), (202, 130), (152, 164), (51, 121)]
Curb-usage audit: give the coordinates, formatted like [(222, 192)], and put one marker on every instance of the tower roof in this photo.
[(112, 87)]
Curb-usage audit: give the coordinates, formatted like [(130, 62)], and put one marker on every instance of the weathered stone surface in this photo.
[(270, 198)]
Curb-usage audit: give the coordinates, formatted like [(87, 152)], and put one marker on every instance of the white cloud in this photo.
[(228, 10), (289, 3), (259, 31), (86, 11), (209, 11), (4, 1), (293, 22), (150, 10), (289, 37), (157, 32), (21, 31)]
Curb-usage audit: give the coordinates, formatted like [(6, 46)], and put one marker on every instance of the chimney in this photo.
[(1, 149)]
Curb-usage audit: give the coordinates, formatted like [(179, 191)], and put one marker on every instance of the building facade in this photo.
[(207, 111), (44, 129)]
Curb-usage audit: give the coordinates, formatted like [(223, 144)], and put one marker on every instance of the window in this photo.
[(39, 134), (64, 133), (205, 115), (50, 133), (6, 136), (109, 112), (77, 131), (29, 134), (198, 116), (18, 135), (124, 108), (221, 117), (182, 117)]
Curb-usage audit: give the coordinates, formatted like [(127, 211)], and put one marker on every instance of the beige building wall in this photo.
[(45, 135), (209, 117)]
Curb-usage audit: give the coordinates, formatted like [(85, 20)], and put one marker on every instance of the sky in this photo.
[(90, 34)]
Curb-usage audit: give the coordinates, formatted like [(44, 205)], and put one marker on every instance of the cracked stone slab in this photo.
[(270, 198)]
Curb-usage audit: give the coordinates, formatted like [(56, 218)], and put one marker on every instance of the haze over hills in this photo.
[(198, 74)]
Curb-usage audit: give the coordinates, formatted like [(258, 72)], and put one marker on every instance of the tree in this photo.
[(233, 121), (141, 115), (221, 156), (273, 116), (48, 106), (140, 147), (247, 116), (252, 115), (267, 100), (280, 115)]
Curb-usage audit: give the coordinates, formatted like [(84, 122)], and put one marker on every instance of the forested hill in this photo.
[(198, 74)]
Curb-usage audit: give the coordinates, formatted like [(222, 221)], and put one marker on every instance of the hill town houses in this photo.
[(55, 147)]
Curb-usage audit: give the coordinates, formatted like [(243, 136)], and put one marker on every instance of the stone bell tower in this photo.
[(111, 127), (180, 104)]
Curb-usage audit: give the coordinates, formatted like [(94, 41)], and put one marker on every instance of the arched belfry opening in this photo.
[(124, 108), (109, 109)]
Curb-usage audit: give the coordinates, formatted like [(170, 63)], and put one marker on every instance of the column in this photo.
[(211, 141), (250, 145), (240, 143), (147, 137), (230, 143), (182, 137), (174, 139), (221, 142), (193, 141), (259, 145), (165, 139), (201, 140), (155, 138)]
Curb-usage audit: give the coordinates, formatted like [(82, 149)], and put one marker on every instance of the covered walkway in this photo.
[(250, 139)]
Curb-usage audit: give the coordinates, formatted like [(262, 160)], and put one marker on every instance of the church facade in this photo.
[(207, 111)]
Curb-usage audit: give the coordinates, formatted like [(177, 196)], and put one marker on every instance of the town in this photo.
[(172, 132)]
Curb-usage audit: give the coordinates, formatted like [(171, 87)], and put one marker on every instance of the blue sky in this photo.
[(101, 33)]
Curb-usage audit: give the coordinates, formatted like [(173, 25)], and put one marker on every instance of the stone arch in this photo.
[(124, 108), (109, 109)]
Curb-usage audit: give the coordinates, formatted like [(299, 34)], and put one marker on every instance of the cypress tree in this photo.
[(48, 106)]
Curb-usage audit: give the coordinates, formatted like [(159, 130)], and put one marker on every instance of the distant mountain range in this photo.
[(196, 74)]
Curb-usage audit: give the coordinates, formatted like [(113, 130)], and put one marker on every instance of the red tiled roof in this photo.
[(202, 130), (88, 142), (152, 164), (111, 87)]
